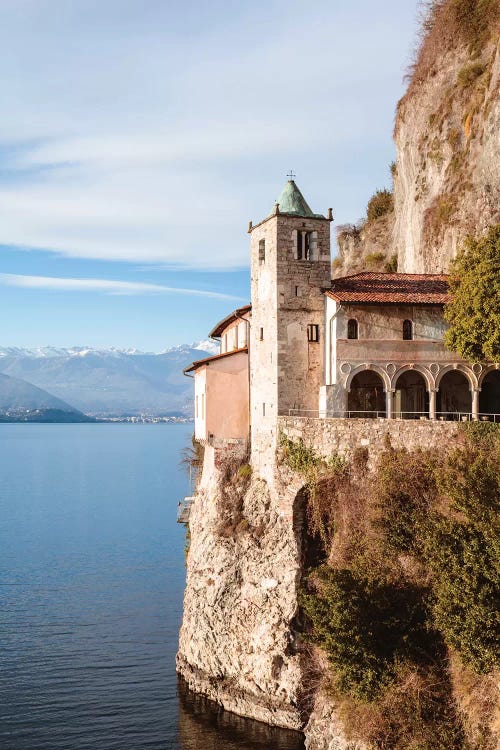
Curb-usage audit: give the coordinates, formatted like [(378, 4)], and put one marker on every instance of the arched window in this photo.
[(352, 329), (407, 330)]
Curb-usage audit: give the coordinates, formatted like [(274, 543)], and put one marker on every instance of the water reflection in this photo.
[(203, 725)]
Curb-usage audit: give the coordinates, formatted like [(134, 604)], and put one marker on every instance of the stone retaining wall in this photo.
[(328, 436)]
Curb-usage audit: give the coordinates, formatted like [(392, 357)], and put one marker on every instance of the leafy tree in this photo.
[(474, 312), (380, 203)]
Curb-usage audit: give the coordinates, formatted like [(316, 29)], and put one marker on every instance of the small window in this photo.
[(304, 245), (296, 291), (352, 329), (313, 332), (262, 251), (263, 410), (196, 407), (203, 406), (407, 330), (235, 329), (262, 334)]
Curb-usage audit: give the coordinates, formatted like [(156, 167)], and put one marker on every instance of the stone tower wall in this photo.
[(286, 370)]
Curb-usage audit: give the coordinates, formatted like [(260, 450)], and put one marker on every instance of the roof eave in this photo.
[(206, 362)]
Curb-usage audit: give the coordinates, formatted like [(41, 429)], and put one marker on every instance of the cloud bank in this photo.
[(153, 131)]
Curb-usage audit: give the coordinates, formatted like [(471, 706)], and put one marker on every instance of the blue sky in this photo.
[(138, 138)]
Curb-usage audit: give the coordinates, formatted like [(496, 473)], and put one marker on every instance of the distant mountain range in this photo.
[(105, 382), (20, 401)]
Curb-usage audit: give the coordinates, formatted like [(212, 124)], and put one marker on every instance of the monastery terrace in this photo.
[(363, 346)]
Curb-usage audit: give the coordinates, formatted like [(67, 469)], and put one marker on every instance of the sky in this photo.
[(139, 137)]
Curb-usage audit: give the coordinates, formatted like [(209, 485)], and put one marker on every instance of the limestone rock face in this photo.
[(447, 181), (367, 248), (237, 639), (324, 731)]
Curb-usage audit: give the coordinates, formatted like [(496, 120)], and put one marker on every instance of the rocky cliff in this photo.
[(446, 180), (238, 643), (447, 134)]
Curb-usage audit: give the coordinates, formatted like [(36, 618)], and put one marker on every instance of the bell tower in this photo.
[(290, 268)]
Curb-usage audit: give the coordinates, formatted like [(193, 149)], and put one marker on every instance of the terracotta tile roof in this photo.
[(217, 330), (207, 360), (391, 289)]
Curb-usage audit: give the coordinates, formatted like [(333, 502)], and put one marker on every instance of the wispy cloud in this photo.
[(152, 132), (105, 286)]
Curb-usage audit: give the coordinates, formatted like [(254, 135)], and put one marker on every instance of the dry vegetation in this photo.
[(403, 599), (446, 22)]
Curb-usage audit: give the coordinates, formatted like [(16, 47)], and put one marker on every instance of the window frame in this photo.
[(408, 330), (313, 333), (352, 323)]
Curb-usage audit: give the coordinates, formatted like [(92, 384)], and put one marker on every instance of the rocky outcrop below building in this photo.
[(244, 642), (237, 642), (447, 134)]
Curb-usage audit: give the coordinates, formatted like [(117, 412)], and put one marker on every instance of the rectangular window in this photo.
[(196, 407), (296, 291), (203, 406), (313, 332), (262, 251), (235, 329), (262, 334), (263, 410), (304, 245)]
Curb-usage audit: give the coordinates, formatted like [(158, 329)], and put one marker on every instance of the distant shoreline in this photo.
[(84, 419)]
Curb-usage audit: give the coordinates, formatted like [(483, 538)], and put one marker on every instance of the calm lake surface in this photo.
[(91, 584)]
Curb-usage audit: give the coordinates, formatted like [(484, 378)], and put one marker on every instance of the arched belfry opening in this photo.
[(454, 398), (367, 395), (411, 399), (489, 398)]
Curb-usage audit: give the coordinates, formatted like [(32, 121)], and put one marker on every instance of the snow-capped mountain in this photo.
[(110, 381), (207, 347)]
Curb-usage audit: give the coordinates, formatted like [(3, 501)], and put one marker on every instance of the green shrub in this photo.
[(299, 456), (366, 627), (392, 264), (474, 310), (379, 204), (462, 550), (405, 487), (245, 471), (373, 259)]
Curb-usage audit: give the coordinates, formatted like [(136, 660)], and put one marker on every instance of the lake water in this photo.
[(91, 584)]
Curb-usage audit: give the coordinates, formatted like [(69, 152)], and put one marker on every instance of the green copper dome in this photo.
[(291, 201)]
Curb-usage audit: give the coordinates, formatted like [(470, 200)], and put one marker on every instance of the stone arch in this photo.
[(486, 371), (426, 374), (489, 397), (411, 397), (454, 395), (467, 371), (374, 368), (366, 397)]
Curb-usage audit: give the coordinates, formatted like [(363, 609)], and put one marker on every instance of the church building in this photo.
[(368, 345)]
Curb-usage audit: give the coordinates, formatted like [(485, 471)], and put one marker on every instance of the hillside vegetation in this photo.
[(403, 597)]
